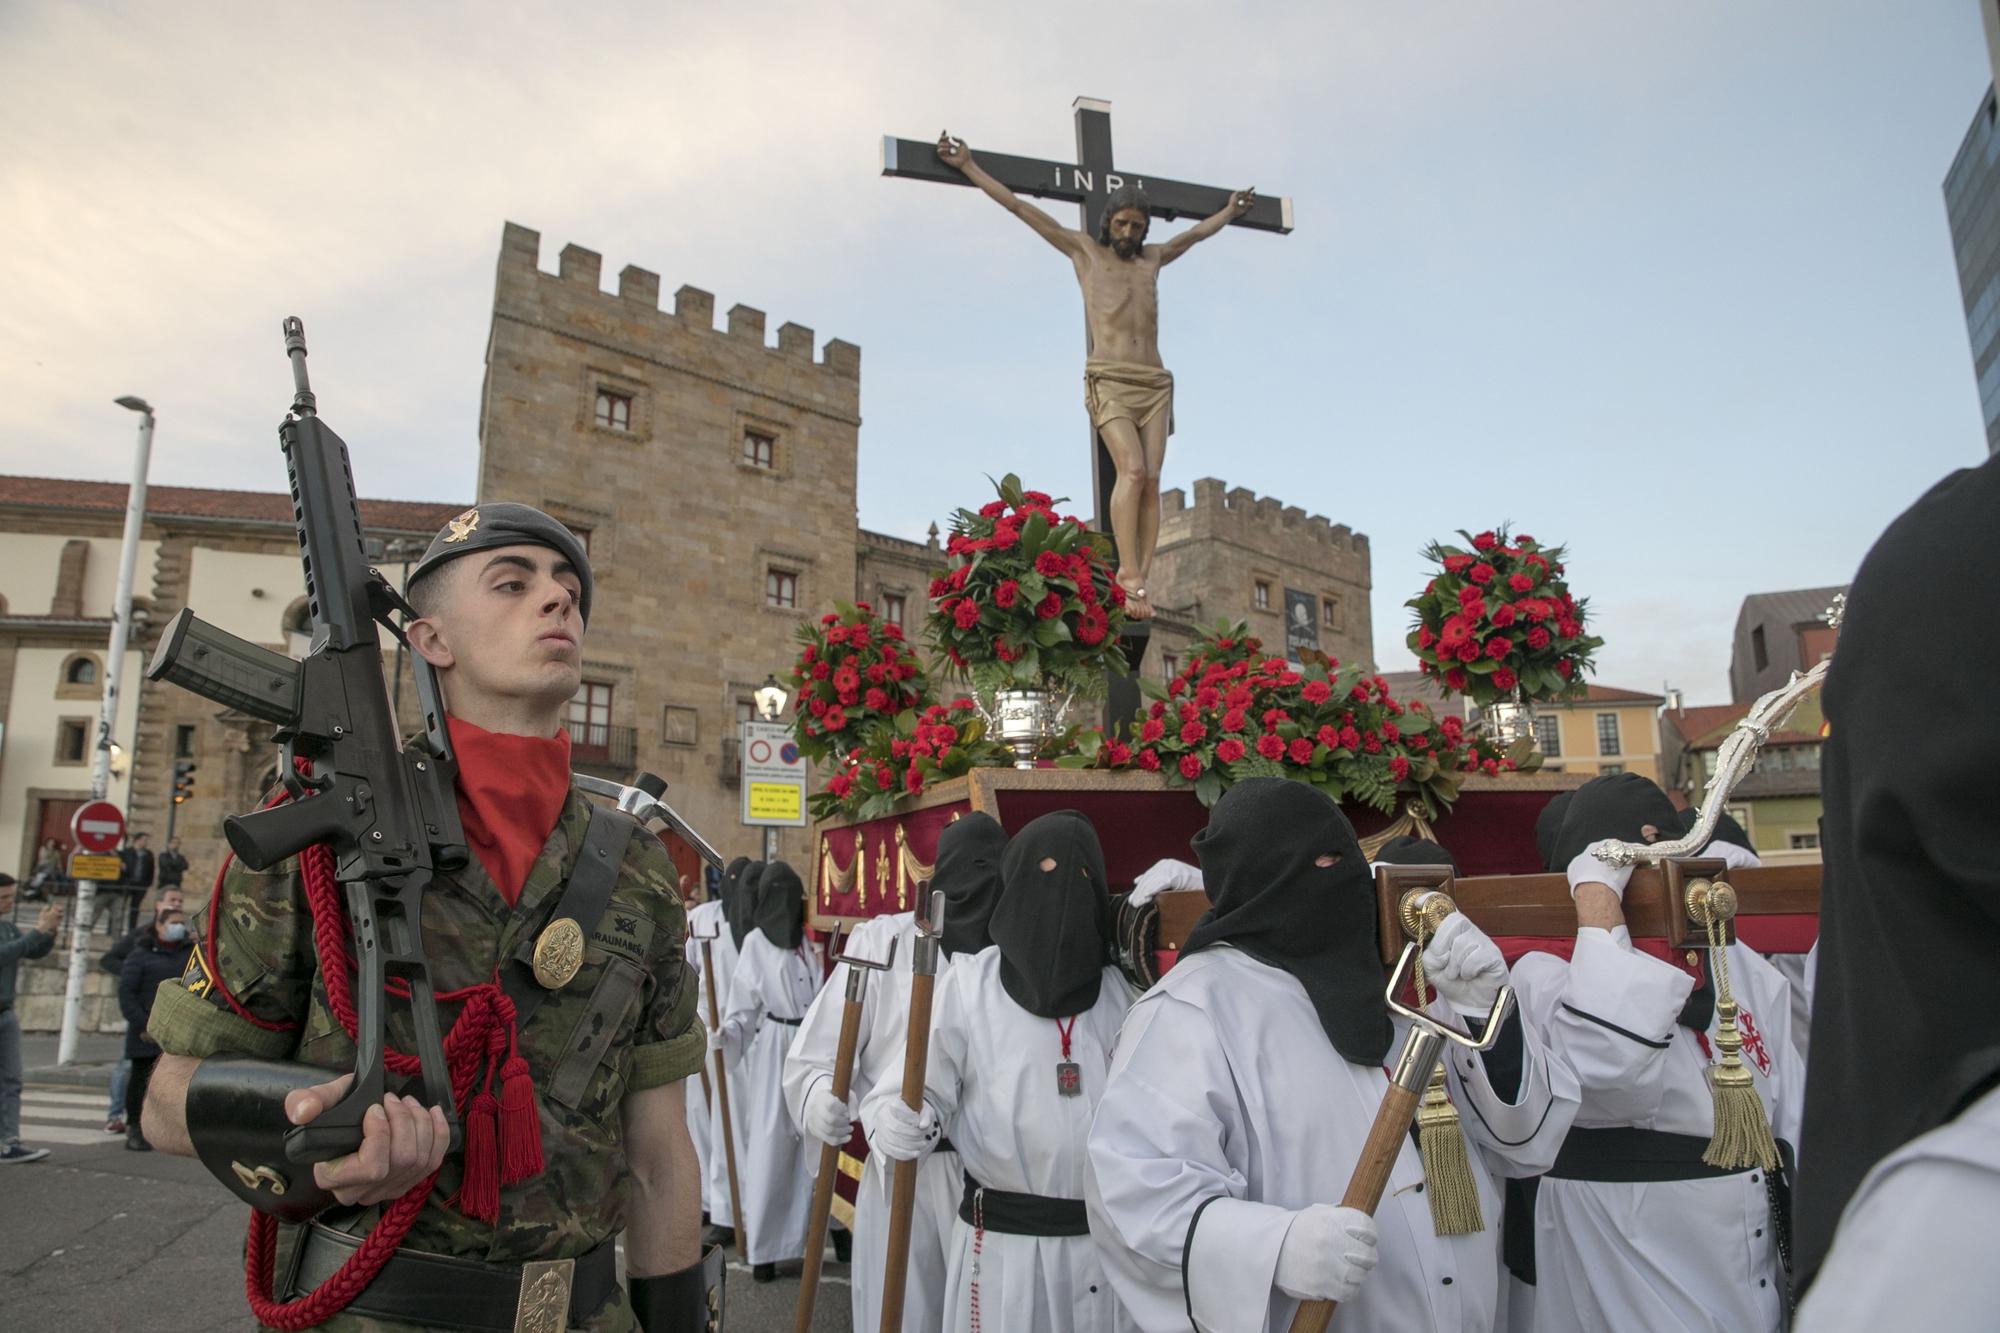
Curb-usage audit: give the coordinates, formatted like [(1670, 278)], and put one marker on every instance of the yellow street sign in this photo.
[(87, 865)]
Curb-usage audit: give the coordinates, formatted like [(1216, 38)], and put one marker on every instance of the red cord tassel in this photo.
[(520, 1122), (479, 1194)]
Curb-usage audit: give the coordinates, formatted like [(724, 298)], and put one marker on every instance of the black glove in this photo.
[(689, 1301)]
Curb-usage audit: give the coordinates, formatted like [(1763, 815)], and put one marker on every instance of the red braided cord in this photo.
[(484, 1022)]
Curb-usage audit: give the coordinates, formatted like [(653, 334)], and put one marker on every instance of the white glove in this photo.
[(715, 1041), (1326, 1253), (826, 1117), (1164, 875), (903, 1135), (1587, 869), (1465, 965), (1736, 858)]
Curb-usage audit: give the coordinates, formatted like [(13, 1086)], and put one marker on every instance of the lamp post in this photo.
[(83, 913), (770, 697)]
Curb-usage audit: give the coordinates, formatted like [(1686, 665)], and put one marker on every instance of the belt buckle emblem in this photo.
[(544, 1304), (558, 953)]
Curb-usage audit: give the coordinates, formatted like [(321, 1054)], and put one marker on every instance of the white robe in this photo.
[(1229, 1110), (885, 1018), (770, 984), (992, 1081), (1670, 1256), (1915, 1244), (714, 1163)]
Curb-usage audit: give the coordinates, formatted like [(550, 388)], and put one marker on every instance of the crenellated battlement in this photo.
[(1220, 510), (636, 304)]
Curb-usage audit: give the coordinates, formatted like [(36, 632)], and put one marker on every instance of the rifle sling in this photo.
[(583, 901)]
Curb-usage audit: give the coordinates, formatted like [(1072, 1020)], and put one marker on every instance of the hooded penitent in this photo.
[(1411, 851), (1273, 902), (781, 905), (1906, 1018), (740, 907), (1726, 830), (1628, 807), (968, 874), (1053, 920)]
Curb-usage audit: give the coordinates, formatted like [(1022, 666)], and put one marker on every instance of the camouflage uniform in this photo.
[(623, 1024)]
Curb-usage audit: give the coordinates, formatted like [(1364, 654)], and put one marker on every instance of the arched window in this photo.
[(80, 677)]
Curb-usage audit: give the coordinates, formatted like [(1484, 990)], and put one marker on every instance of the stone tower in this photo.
[(713, 475)]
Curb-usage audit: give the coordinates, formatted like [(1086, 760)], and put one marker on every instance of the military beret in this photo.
[(484, 527)]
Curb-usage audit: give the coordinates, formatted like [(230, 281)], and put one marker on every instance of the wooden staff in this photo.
[(916, 1060), (829, 1154), (1419, 1057), (722, 1093)]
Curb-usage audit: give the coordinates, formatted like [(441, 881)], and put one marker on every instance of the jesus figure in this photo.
[(1130, 395)]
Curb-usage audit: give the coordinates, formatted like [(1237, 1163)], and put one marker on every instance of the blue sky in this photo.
[(1669, 283)]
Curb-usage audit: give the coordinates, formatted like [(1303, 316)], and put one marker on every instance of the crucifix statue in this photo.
[(1128, 392)]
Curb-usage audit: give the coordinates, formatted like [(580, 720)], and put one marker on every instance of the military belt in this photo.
[(450, 1292)]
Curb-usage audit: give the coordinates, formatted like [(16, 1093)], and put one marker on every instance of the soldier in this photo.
[(589, 1080)]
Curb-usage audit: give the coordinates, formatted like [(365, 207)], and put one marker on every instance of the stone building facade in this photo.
[(231, 555), (712, 472)]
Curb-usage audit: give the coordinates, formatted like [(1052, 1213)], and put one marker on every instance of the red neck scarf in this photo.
[(511, 791)]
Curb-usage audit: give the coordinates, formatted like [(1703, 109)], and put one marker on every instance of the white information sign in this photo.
[(774, 777)]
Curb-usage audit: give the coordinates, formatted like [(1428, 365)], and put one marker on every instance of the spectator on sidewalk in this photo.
[(16, 944), (113, 961), (135, 875), (51, 868), (173, 866), (160, 955)]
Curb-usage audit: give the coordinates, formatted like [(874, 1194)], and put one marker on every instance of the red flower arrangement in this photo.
[(920, 747), (1233, 713), (1499, 619), (853, 675), (1029, 600)]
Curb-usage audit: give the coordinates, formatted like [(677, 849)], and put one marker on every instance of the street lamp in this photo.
[(770, 697), (83, 910)]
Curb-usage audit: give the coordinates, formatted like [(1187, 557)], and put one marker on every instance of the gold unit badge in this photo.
[(558, 953), (462, 527)]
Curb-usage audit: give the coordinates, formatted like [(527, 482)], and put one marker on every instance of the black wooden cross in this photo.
[(1088, 183)]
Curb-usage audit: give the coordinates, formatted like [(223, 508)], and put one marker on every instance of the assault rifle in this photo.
[(389, 816)]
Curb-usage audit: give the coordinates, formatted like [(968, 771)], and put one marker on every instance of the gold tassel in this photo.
[(1742, 1136), (1448, 1183), (1447, 1173)]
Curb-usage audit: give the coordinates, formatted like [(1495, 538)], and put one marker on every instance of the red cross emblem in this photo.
[(1753, 1043)]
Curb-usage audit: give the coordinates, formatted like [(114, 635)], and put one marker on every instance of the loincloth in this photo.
[(1115, 390)]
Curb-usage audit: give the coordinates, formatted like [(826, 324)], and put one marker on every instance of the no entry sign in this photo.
[(97, 826)]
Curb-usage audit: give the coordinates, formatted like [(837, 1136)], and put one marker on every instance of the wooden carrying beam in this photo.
[(1539, 905)]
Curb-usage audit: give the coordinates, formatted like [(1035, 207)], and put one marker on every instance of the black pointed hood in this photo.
[(1271, 901), (1411, 851), (968, 874), (725, 889), (740, 909), (1906, 1014), (1625, 806), (1053, 926), (781, 905), (1614, 805)]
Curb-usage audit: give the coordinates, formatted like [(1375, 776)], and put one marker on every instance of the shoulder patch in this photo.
[(195, 979), (623, 930)]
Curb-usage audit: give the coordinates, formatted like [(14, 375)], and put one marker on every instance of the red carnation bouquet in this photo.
[(1028, 601), (1233, 713), (855, 674), (1498, 620), (920, 746)]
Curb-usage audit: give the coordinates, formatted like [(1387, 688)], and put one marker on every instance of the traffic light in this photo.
[(183, 780)]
